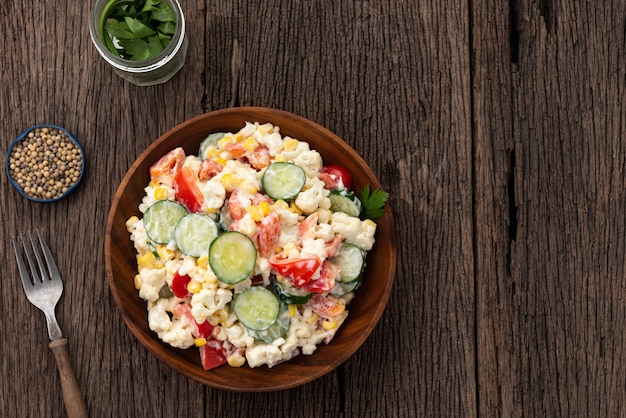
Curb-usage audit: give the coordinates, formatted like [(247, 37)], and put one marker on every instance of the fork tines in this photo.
[(45, 268)]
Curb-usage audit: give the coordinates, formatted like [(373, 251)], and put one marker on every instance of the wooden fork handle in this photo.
[(72, 397)]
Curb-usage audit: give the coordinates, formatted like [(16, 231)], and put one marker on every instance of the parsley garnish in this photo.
[(139, 29), (373, 202)]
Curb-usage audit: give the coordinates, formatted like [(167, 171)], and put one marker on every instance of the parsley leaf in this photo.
[(138, 29), (373, 202)]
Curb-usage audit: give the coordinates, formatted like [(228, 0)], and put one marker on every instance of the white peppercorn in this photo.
[(45, 163)]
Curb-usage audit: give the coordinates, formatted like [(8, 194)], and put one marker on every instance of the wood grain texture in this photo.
[(549, 116), (498, 129)]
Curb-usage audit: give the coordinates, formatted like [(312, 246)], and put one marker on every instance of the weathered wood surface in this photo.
[(497, 128)]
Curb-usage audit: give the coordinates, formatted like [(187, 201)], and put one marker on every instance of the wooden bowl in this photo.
[(365, 310)]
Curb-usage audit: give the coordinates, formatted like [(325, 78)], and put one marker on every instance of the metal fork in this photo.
[(42, 284)]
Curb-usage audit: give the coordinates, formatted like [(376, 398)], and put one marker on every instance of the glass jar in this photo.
[(152, 71)]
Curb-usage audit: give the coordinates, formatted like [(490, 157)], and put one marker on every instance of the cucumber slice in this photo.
[(160, 220), (345, 201), (288, 293), (276, 331), (232, 256), (257, 308), (193, 234), (342, 289), (283, 180), (351, 261), (209, 141)]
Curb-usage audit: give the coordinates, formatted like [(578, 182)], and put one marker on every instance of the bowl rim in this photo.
[(21, 137), (196, 372)]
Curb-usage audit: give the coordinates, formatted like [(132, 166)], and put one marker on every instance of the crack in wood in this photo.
[(513, 32), (235, 71)]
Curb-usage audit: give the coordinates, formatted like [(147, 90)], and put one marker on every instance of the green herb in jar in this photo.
[(137, 30)]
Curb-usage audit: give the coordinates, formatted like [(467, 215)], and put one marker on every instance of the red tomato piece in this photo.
[(260, 157), (269, 234), (333, 245), (326, 281), (179, 285), (236, 149), (212, 355), (187, 191), (198, 330), (209, 169), (339, 174), (237, 204), (164, 170), (299, 270), (329, 182), (326, 306), (306, 229)]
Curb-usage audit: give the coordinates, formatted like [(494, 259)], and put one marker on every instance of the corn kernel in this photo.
[(137, 282), (265, 207), (221, 144), (229, 182), (250, 144), (236, 360), (314, 317), (280, 158), (329, 324), (281, 204), (160, 193), (265, 128), (194, 286), (292, 310), (369, 223), (146, 260), (199, 342), (238, 137), (256, 213), (290, 144), (294, 208), (251, 188), (220, 161), (203, 261), (212, 153)]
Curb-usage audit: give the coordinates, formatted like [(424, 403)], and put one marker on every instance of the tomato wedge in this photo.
[(187, 191), (179, 285), (299, 270), (339, 174), (326, 281), (164, 170), (269, 234), (212, 355)]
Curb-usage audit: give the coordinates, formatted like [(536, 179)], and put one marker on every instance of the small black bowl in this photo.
[(23, 136)]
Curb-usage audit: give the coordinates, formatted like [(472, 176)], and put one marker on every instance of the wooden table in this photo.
[(498, 129)]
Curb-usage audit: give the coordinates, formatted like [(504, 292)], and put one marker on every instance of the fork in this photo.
[(43, 286)]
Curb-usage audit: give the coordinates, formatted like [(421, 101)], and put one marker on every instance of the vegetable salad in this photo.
[(251, 250)]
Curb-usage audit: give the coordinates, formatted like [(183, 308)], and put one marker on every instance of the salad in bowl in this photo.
[(251, 249)]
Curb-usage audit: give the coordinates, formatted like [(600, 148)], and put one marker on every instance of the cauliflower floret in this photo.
[(310, 161), (355, 231), (271, 140), (208, 301), (214, 194), (152, 280), (247, 176), (314, 247), (175, 332), (313, 196), (138, 235), (325, 232), (246, 225), (269, 354), (238, 336)]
